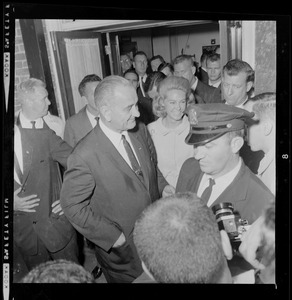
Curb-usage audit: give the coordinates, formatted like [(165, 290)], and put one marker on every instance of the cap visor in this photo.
[(196, 139)]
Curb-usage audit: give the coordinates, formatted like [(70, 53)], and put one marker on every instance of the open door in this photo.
[(77, 54)]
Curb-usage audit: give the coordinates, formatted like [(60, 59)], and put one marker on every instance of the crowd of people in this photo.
[(135, 175)]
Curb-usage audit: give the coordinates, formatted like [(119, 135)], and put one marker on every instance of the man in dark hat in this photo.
[(217, 132)]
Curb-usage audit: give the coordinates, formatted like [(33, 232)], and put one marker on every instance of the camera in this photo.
[(230, 221)]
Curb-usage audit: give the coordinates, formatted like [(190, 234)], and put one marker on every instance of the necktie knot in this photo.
[(33, 124), (211, 182)]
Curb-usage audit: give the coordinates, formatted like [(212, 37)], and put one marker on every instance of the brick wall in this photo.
[(21, 68)]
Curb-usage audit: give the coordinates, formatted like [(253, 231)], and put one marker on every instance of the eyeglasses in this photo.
[(125, 60)]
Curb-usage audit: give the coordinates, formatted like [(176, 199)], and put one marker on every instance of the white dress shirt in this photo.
[(214, 84), (116, 139)]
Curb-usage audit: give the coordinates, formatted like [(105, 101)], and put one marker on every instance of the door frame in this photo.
[(61, 60)]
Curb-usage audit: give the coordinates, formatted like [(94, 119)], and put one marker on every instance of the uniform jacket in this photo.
[(76, 127), (102, 196), (42, 151), (247, 193)]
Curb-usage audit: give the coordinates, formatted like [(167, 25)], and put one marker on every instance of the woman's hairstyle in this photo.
[(153, 80), (164, 65), (168, 84)]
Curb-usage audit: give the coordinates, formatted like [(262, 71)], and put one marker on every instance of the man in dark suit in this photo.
[(213, 64), (144, 103), (112, 176), (203, 93), (140, 64), (237, 86), (78, 125), (217, 133), (41, 230)]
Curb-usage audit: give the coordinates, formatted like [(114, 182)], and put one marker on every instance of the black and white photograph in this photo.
[(144, 146)]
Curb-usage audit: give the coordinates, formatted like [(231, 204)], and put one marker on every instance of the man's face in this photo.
[(124, 109), (214, 70), (235, 88), (184, 69), (133, 79), (39, 102), (89, 93), (155, 64), (215, 157), (126, 63), (140, 64)]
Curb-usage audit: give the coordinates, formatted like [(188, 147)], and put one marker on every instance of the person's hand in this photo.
[(168, 191), (26, 204), (251, 240), (120, 241), (226, 245), (57, 209)]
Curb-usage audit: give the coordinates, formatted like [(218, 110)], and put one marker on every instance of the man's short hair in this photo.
[(58, 271), (182, 58), (178, 240), (236, 66), (213, 57), (106, 89), (85, 80), (28, 87), (157, 57), (139, 53), (264, 106)]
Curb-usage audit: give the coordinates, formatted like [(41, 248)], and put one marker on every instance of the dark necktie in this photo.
[(17, 168), (208, 190), (33, 124), (134, 163)]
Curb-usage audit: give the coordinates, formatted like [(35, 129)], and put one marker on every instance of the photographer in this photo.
[(178, 241), (258, 246)]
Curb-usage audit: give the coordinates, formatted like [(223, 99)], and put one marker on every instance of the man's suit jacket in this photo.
[(102, 196), (42, 151), (203, 75), (77, 127), (207, 94), (246, 192)]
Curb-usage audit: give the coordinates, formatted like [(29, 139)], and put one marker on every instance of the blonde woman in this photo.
[(170, 129)]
